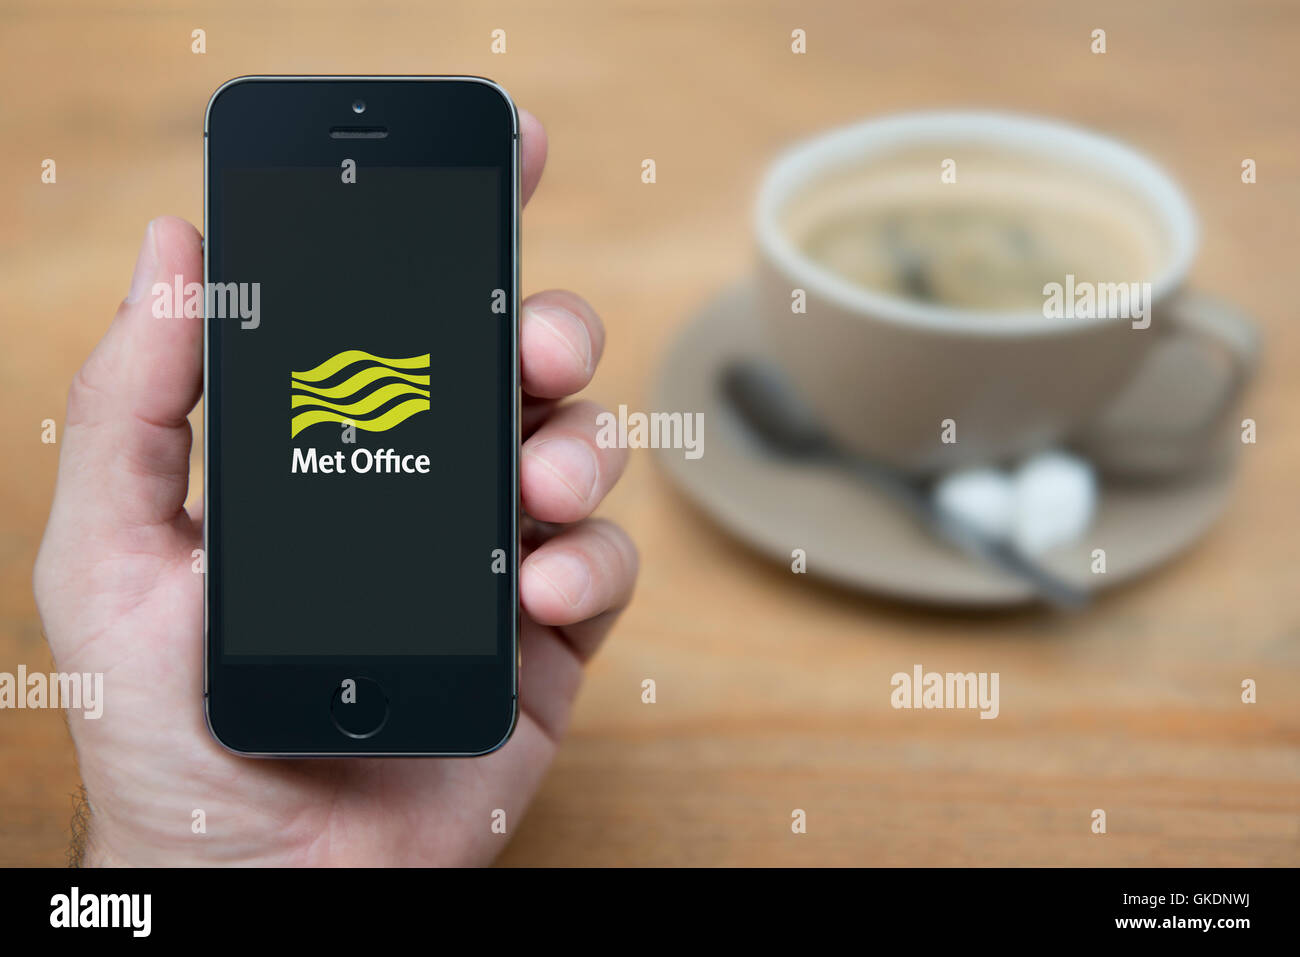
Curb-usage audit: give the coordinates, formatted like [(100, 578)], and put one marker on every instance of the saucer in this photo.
[(854, 534)]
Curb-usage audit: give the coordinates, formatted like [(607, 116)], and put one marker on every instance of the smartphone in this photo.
[(361, 416)]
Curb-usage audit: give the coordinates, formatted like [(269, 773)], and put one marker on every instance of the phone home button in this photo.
[(365, 711)]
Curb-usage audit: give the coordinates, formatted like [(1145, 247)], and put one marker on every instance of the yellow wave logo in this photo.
[(343, 402)]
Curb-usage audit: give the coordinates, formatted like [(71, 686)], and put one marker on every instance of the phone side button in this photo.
[(359, 708)]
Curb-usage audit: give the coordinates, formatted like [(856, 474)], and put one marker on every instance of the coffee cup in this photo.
[(949, 289)]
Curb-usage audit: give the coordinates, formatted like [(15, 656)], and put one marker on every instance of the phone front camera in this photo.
[(358, 106)]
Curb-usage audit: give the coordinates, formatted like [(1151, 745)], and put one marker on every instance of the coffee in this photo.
[(989, 241)]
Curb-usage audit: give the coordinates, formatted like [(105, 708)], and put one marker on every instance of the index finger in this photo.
[(532, 140)]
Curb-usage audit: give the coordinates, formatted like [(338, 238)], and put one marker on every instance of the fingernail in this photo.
[(572, 461), (570, 330), (146, 267), (566, 573)]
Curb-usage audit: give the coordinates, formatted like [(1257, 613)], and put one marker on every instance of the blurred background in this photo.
[(773, 689)]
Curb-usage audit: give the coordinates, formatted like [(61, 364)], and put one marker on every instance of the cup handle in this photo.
[(1144, 451), (1220, 325)]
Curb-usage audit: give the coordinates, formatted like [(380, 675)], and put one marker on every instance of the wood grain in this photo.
[(772, 689)]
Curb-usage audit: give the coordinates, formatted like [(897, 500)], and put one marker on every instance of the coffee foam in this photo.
[(990, 240)]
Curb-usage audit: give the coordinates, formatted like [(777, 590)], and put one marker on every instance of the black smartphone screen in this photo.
[(361, 409), (365, 408)]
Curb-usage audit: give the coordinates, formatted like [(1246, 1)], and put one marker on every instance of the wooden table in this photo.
[(772, 689)]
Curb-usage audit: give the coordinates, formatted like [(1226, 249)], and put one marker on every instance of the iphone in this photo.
[(361, 415)]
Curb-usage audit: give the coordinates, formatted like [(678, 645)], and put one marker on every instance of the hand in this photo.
[(117, 595)]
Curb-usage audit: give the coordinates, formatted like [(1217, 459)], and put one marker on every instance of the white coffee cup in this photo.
[(926, 386)]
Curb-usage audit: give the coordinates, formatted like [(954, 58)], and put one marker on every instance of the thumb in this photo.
[(125, 456)]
